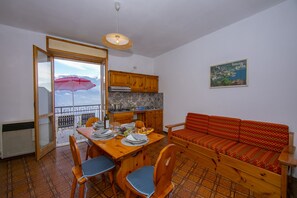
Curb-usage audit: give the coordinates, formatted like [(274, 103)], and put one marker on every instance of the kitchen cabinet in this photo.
[(137, 82), (119, 79), (151, 118), (154, 119), (151, 84), (122, 118)]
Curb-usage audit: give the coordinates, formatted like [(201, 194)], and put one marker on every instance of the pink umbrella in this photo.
[(73, 83)]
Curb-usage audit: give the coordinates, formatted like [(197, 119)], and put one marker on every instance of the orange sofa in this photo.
[(244, 151)]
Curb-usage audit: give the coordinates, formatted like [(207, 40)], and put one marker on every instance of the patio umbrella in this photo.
[(73, 83)]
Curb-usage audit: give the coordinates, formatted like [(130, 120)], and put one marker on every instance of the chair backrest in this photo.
[(74, 150), (164, 168), (91, 120), (139, 124)]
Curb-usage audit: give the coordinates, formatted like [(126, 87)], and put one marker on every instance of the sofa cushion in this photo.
[(257, 156), (197, 122), (215, 143), (265, 135), (187, 134), (224, 127)]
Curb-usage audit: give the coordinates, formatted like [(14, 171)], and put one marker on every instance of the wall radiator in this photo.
[(16, 138)]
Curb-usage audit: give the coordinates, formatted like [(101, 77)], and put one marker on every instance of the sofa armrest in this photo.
[(172, 126), (288, 156), (175, 125)]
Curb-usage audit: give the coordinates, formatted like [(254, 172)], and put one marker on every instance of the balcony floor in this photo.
[(62, 136)]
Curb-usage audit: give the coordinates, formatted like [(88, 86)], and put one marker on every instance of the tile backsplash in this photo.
[(129, 100)]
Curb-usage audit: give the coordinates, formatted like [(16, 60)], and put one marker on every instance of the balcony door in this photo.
[(45, 139)]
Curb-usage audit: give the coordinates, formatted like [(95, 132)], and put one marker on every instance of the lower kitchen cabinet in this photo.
[(125, 117), (151, 118), (154, 119)]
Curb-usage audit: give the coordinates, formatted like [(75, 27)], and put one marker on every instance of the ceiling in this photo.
[(155, 26)]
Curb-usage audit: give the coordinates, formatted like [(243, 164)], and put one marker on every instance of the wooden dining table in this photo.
[(127, 158)]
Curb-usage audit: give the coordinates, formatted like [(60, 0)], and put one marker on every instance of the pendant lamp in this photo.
[(116, 40)]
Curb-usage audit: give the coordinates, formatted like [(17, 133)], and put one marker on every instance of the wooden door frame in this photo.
[(40, 152)]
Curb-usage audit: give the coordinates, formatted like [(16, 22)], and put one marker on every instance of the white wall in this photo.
[(127, 62), (267, 40), (16, 70)]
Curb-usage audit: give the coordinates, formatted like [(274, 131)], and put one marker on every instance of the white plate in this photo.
[(102, 133), (102, 138), (136, 138), (124, 141)]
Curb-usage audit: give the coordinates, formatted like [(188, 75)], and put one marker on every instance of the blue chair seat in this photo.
[(97, 166), (142, 180)]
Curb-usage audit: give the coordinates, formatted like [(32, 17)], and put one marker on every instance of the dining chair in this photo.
[(139, 124), (92, 151), (150, 181), (89, 168), (91, 121)]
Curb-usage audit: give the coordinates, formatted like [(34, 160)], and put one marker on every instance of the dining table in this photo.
[(127, 158)]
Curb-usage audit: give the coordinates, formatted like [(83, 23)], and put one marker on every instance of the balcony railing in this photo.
[(71, 116)]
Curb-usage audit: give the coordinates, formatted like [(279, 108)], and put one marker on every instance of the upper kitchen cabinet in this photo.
[(137, 82), (151, 84), (117, 78)]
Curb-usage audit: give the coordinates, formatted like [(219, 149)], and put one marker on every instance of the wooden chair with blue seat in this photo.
[(84, 170), (92, 150), (150, 181)]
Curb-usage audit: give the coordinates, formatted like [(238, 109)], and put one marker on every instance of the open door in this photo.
[(45, 135)]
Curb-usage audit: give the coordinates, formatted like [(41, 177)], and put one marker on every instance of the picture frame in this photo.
[(232, 74)]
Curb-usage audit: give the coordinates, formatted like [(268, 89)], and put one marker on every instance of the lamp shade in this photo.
[(117, 41)]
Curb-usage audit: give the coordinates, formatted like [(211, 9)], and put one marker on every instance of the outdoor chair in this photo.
[(85, 117), (83, 170), (150, 181)]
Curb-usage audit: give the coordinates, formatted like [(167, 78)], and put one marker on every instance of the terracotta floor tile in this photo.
[(198, 171), (204, 192), (184, 193), (62, 186), (47, 193), (176, 179), (241, 189), (224, 191), (189, 185), (211, 176), (208, 184), (225, 182), (218, 195), (65, 193), (181, 173), (20, 188), (40, 189), (194, 178), (240, 195), (22, 195)]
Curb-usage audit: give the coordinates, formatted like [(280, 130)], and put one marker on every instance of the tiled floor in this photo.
[(51, 177)]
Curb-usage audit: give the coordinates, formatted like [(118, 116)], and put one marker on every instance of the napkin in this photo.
[(136, 138), (102, 133)]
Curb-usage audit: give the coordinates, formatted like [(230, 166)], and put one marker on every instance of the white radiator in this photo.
[(16, 138)]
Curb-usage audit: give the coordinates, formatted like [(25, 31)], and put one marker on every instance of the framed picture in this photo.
[(229, 74)]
